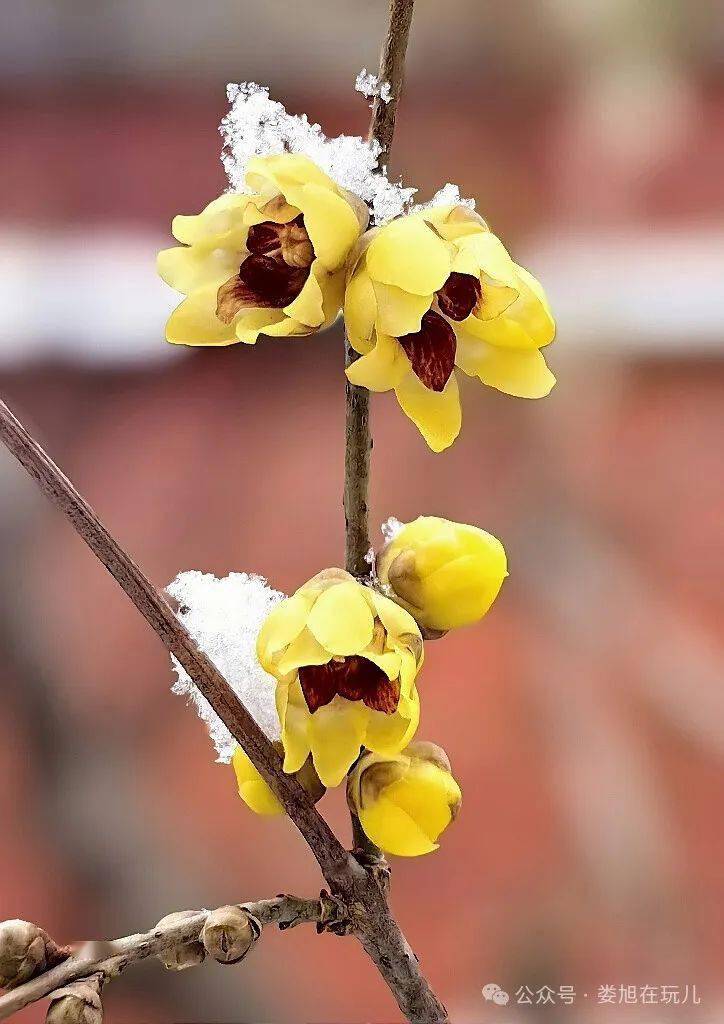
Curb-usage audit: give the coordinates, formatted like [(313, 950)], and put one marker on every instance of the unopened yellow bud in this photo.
[(181, 955), (229, 933), (405, 802), (22, 952), (79, 1003), (445, 574)]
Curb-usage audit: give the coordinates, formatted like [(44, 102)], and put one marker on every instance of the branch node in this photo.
[(335, 916)]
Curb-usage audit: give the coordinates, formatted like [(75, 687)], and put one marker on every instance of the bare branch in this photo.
[(372, 922), (173, 634), (109, 959), (392, 71), (358, 440)]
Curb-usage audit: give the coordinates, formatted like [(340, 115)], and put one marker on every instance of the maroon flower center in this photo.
[(431, 350), (355, 678), (459, 296), (274, 272)]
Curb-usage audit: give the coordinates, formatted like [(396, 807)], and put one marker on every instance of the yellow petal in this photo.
[(341, 619), (393, 830), (382, 368), (360, 310), (331, 223), (253, 790), (307, 307), (503, 332), (519, 372), (305, 650), (424, 793), (454, 222), (288, 328), (284, 169), (497, 298), (492, 256), (409, 255), (295, 720), (388, 734), (336, 733), (532, 312), (396, 620), (194, 322), (332, 285), (436, 414), (282, 625), (218, 225), (252, 322), (189, 268), (399, 312)]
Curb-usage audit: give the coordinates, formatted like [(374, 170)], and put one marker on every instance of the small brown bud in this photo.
[(79, 1003), (23, 952), (183, 954), (229, 934)]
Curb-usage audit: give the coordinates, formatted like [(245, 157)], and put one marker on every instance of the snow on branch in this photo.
[(259, 125), (224, 617)]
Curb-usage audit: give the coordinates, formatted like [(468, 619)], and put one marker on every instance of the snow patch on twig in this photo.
[(224, 617), (257, 125), (369, 85)]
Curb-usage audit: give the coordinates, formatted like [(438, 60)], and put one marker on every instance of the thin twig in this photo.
[(358, 440), (111, 958)]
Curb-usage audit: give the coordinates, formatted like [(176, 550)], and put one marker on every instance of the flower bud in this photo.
[(405, 802), (256, 793), (79, 1003), (229, 934), (183, 954), (23, 952), (445, 574)]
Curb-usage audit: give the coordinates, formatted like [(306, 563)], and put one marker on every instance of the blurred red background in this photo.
[(584, 716)]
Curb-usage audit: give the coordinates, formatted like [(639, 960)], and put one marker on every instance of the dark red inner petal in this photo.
[(262, 281), (355, 678), (270, 282), (459, 296), (431, 350), (266, 239), (274, 272)]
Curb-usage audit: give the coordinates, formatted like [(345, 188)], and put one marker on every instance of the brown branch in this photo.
[(173, 634), (367, 908), (109, 959), (392, 71), (358, 440)]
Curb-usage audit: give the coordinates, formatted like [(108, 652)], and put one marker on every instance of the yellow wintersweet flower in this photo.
[(257, 794), (271, 261), (345, 659), (434, 290), (404, 803), (445, 574)]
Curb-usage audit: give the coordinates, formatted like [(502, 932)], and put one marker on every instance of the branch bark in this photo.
[(367, 907), (109, 959), (358, 440)]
